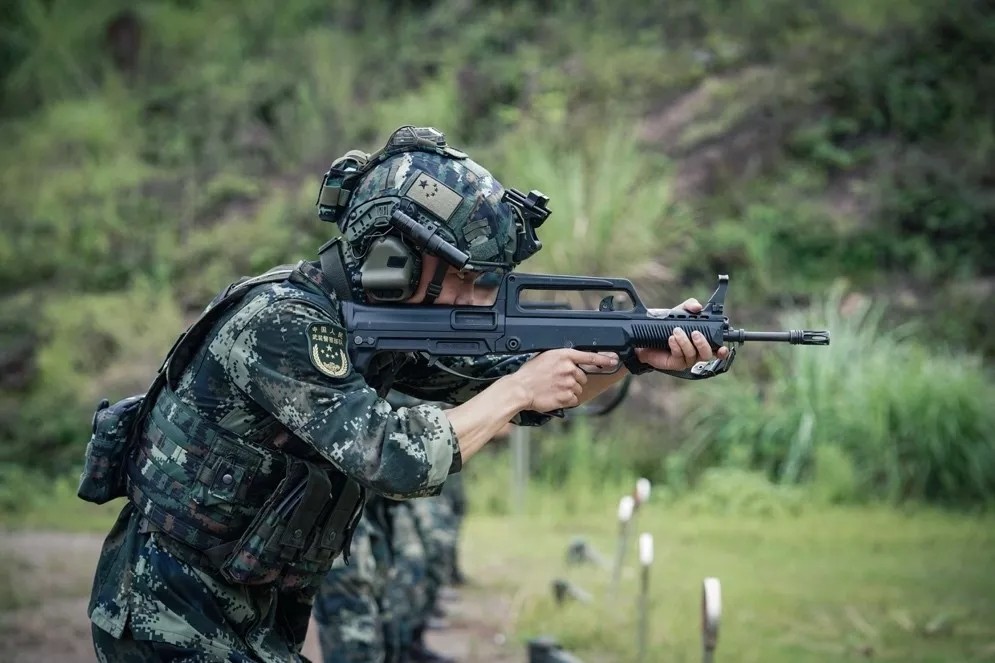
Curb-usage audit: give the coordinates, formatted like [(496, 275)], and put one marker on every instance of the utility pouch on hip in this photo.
[(102, 478)]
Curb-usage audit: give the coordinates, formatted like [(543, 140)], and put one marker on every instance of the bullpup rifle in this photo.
[(514, 325)]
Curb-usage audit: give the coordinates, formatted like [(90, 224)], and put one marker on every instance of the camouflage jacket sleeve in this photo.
[(432, 383), (292, 359)]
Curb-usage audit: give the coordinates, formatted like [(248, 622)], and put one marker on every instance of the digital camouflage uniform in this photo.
[(454, 493), (246, 477), (349, 608), (437, 531), (255, 377), (356, 615), (407, 596), (364, 610)]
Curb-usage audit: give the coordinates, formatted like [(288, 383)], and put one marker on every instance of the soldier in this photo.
[(385, 618), (368, 610), (255, 447), (455, 494)]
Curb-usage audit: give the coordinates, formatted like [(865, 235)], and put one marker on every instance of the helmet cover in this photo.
[(455, 192)]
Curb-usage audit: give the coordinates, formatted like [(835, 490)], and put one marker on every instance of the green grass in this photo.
[(823, 585), (53, 505), (805, 583)]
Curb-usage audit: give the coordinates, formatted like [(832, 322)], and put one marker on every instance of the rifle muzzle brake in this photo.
[(793, 336)]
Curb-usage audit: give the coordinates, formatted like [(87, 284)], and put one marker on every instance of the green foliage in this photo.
[(155, 152), (90, 347), (578, 460), (946, 218), (923, 79), (19, 488), (611, 198), (73, 181), (571, 459), (731, 491), (915, 421), (826, 584), (48, 49), (39, 501), (834, 476)]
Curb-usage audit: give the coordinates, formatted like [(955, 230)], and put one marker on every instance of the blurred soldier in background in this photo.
[(379, 609), (376, 608), (455, 494)]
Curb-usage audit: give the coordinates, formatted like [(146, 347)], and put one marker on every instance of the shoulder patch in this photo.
[(327, 348)]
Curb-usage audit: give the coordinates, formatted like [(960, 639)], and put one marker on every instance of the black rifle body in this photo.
[(513, 326)]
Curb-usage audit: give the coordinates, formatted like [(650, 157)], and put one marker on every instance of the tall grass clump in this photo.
[(608, 197), (914, 421)]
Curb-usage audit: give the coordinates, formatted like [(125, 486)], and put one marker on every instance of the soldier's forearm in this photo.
[(481, 418)]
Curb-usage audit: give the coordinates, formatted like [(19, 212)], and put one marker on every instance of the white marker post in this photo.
[(645, 561), (640, 496), (642, 493), (625, 508), (711, 616)]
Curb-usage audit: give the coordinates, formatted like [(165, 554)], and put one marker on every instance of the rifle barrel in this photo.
[(792, 336)]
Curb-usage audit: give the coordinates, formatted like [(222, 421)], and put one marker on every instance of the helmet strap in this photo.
[(435, 287)]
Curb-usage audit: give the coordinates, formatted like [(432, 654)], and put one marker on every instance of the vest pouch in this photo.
[(280, 531), (102, 478), (332, 536), (336, 524)]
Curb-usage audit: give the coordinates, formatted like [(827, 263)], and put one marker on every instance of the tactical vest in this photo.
[(204, 488)]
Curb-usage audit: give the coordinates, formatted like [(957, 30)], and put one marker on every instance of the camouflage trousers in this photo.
[(147, 604), (437, 530), (374, 608), (454, 494), (349, 608), (128, 650)]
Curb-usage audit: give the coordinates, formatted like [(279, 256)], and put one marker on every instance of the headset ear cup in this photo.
[(391, 270)]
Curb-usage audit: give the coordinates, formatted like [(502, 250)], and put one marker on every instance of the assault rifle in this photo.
[(513, 325)]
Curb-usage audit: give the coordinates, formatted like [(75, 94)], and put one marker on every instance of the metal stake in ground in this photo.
[(625, 507), (645, 560), (711, 615)]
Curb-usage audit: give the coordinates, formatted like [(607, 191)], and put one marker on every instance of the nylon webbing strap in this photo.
[(345, 507), (178, 528), (435, 287), (332, 267), (195, 332), (190, 340)]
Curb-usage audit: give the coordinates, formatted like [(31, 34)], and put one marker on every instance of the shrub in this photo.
[(915, 422), (91, 347), (610, 197)]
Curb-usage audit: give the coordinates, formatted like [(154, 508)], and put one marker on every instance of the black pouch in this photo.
[(102, 478), (278, 532)]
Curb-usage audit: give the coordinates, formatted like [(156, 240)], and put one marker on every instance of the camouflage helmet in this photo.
[(438, 185)]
